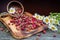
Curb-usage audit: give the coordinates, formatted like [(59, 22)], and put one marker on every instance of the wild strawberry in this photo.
[(54, 35), (15, 18), (34, 26), (17, 24), (44, 31), (1, 29), (19, 11), (34, 20), (40, 21), (19, 17), (42, 24), (22, 28), (16, 21), (11, 21), (18, 27), (39, 35)]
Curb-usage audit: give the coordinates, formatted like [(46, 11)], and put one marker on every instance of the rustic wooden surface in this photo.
[(48, 36)]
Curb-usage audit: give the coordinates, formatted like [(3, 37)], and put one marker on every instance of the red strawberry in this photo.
[(17, 24), (54, 35), (12, 21), (22, 28), (18, 27), (34, 20), (1, 29), (16, 21), (44, 31), (40, 21), (34, 26), (19, 17), (19, 11), (39, 35)]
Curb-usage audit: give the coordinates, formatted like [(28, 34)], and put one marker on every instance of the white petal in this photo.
[(52, 26), (35, 14), (56, 21), (44, 20), (11, 10), (51, 21), (41, 17)]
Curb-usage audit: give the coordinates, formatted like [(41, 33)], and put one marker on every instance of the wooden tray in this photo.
[(5, 19)]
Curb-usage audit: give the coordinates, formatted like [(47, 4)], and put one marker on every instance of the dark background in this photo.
[(43, 7)]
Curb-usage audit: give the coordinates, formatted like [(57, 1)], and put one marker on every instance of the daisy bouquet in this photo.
[(51, 21)]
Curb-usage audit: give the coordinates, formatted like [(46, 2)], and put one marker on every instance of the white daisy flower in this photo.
[(36, 16), (46, 20), (48, 16), (41, 17), (51, 21), (52, 27), (12, 10), (56, 21)]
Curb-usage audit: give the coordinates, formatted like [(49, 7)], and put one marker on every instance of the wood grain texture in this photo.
[(12, 28)]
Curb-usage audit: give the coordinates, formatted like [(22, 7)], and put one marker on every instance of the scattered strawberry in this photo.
[(25, 21), (40, 21), (54, 35), (17, 24), (34, 26), (44, 31), (22, 28), (18, 27), (34, 20), (15, 18), (12, 21), (39, 35), (1, 29), (19, 11)]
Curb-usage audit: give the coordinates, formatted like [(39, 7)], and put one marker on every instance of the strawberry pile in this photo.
[(26, 23)]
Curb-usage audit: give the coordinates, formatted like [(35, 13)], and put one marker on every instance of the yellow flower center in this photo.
[(47, 20), (37, 16), (56, 22), (11, 10), (50, 21), (53, 28)]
